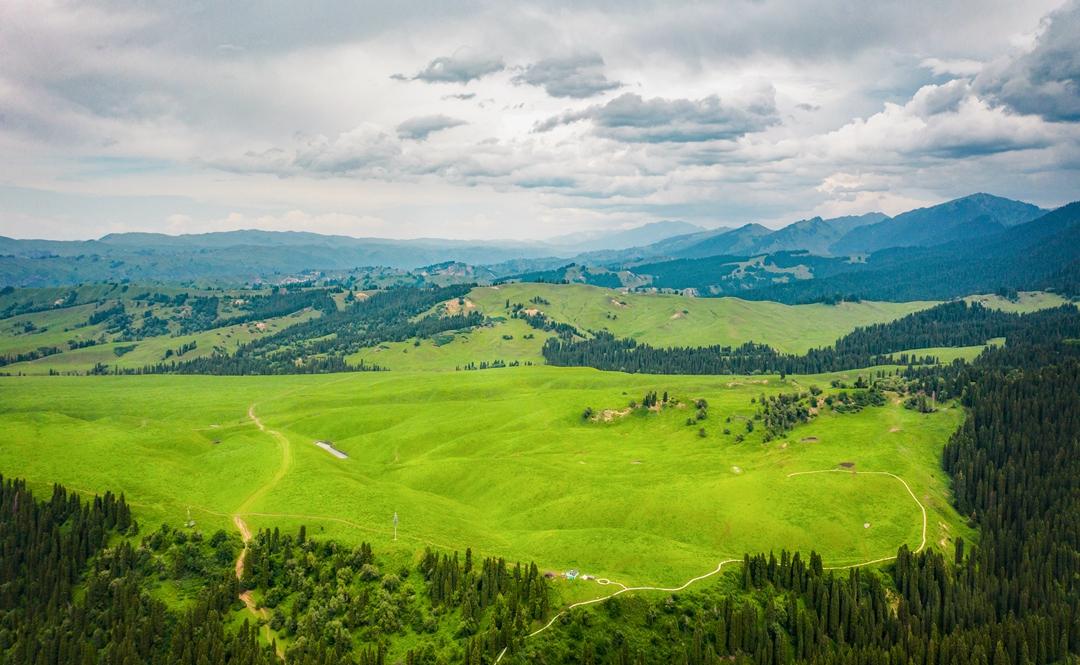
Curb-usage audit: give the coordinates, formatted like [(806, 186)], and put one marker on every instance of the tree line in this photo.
[(1011, 599), (950, 324)]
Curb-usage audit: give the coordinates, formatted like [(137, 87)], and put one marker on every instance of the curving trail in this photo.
[(283, 468), (903, 482), (603, 581), (245, 596), (245, 532), (286, 462), (625, 589)]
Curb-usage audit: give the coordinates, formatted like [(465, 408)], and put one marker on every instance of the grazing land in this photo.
[(499, 460), (676, 320)]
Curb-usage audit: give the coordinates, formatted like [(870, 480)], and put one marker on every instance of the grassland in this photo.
[(674, 320), (1026, 301), (497, 460)]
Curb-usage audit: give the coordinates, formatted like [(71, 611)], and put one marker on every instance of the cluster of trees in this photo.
[(320, 345), (182, 349), (115, 312), (1013, 599), (26, 356), (492, 364), (853, 402), (335, 603), (780, 413), (949, 324), (515, 596), (282, 303), (67, 597), (541, 321)]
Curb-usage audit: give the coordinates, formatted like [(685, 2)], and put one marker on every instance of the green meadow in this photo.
[(501, 461), (675, 320)]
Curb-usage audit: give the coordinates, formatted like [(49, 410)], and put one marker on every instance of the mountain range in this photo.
[(680, 254)]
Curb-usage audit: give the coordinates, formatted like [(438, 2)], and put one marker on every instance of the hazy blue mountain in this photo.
[(638, 236), (1042, 253), (960, 219), (740, 241), (847, 223), (234, 256)]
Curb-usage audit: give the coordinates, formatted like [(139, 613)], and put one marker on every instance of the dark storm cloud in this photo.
[(575, 76), (633, 119), (1045, 81), (419, 128)]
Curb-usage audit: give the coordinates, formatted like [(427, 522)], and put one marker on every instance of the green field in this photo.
[(497, 460), (1026, 301), (674, 320)]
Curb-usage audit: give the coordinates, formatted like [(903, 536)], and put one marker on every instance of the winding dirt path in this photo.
[(624, 589), (283, 467), (245, 596), (903, 482), (245, 532), (286, 463)]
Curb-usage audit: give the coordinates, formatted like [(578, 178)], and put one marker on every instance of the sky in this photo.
[(521, 120)]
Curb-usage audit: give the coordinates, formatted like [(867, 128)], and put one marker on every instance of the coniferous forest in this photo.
[(78, 576)]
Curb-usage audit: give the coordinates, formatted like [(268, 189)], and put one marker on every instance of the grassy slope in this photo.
[(659, 319), (498, 460), (482, 344), (1027, 301), (146, 352)]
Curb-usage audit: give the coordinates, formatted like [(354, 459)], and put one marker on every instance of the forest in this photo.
[(78, 578), (950, 324), (320, 345)]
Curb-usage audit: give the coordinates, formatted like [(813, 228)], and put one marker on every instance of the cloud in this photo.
[(939, 121), (954, 67), (458, 68), (631, 118), (366, 149), (576, 76), (420, 127), (1045, 80)]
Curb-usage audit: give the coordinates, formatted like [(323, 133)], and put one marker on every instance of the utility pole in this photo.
[(395, 525)]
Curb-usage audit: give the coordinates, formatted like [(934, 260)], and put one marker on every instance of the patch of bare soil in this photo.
[(618, 303), (847, 465), (608, 415), (532, 311), (456, 306), (637, 461), (678, 315), (894, 429), (809, 439)]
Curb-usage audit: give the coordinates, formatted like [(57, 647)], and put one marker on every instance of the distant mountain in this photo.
[(740, 241), (1041, 254), (960, 219), (814, 235), (847, 223), (231, 257), (637, 236)]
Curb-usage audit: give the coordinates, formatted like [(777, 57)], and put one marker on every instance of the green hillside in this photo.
[(674, 320), (500, 460)]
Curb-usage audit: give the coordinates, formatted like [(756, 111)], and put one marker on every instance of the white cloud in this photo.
[(953, 67), (724, 112)]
